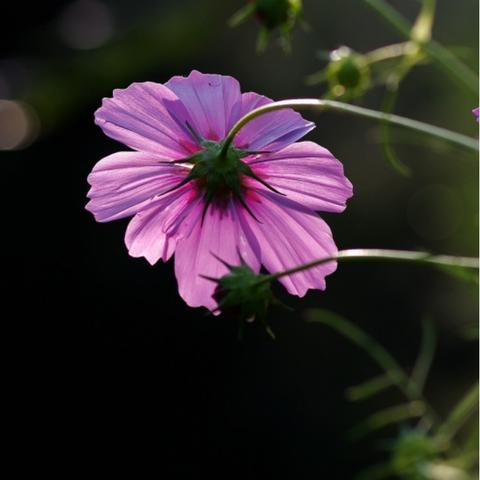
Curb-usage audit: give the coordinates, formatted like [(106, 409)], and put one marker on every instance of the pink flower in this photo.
[(258, 201), (475, 112)]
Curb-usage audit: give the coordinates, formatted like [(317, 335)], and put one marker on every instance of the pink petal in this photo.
[(213, 102), (147, 233), (307, 173), (476, 112), (271, 131), (224, 232), (290, 235), (124, 182), (147, 117)]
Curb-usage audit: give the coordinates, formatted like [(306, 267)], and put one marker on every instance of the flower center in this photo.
[(219, 174)]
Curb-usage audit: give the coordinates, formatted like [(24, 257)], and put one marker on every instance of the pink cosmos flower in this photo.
[(258, 201)]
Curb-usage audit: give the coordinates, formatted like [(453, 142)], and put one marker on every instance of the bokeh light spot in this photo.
[(85, 24), (19, 125)]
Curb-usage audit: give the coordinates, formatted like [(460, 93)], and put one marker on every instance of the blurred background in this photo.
[(124, 375)]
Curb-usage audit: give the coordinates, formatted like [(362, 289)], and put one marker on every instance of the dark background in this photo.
[(123, 376)]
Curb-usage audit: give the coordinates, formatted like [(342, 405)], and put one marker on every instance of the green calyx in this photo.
[(219, 174), (245, 295), (240, 292)]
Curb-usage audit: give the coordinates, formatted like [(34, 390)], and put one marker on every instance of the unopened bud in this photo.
[(348, 73)]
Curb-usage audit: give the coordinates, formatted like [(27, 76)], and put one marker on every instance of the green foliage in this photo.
[(428, 449)]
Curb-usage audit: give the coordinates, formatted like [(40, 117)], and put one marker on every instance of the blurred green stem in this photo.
[(314, 103), (467, 406), (388, 52), (449, 62), (382, 358), (361, 254)]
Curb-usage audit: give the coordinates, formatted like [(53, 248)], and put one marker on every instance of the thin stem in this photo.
[(449, 62), (382, 357), (442, 133), (422, 28), (388, 52), (382, 255)]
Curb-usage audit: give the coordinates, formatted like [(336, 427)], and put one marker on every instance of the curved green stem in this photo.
[(449, 62), (314, 103), (388, 52), (382, 255)]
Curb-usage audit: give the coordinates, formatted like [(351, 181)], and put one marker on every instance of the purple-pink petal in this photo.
[(224, 233), (150, 234), (212, 101), (271, 131), (476, 112), (125, 182), (144, 237), (306, 173), (290, 235), (147, 117)]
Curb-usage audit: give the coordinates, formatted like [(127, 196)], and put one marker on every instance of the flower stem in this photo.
[(388, 52), (359, 254), (314, 103), (449, 62)]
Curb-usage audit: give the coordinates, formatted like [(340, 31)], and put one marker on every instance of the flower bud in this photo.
[(242, 293), (277, 13), (273, 15), (348, 73)]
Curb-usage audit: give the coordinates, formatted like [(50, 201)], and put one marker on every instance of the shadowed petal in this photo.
[(306, 173), (147, 117), (290, 235), (124, 182), (213, 102), (225, 233), (271, 131)]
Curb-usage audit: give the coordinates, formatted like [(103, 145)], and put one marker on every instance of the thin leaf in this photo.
[(242, 15), (385, 361), (387, 417), (369, 388), (467, 406), (393, 160), (425, 357)]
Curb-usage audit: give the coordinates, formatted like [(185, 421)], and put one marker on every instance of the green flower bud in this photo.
[(277, 13), (273, 15), (348, 73), (243, 294)]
